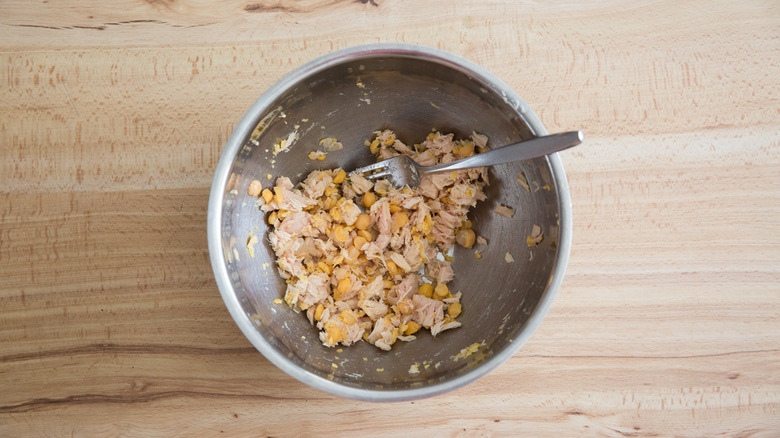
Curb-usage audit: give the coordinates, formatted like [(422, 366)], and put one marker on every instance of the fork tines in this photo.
[(375, 171)]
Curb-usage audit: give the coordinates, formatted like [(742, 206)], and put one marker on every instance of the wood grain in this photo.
[(112, 122)]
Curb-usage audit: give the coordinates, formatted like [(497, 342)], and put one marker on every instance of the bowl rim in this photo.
[(247, 125)]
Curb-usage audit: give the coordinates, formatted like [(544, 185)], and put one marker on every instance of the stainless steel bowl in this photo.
[(411, 89)]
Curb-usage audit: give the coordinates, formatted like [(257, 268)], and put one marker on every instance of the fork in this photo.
[(403, 171)]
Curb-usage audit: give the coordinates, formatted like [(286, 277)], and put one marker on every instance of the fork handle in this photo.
[(524, 150)]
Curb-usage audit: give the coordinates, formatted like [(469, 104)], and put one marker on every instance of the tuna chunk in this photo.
[(350, 212), (373, 290), (299, 223), (413, 255), (360, 184), (402, 148), (315, 184), (317, 289), (443, 325), (284, 183), (440, 144), (426, 158), (427, 311), (380, 215), (439, 271), (382, 333), (373, 309), (407, 287), (464, 194), (440, 180), (293, 201)]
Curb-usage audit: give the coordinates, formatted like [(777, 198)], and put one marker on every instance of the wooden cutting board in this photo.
[(114, 116)]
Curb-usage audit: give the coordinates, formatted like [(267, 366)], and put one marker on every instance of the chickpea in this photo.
[(338, 178), (255, 187), (368, 199), (465, 238), (454, 310), (426, 290), (363, 221)]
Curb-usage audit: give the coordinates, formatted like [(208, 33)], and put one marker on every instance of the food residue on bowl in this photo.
[(468, 351), (503, 210), (284, 144), (362, 258), (523, 181), (250, 246), (317, 155), (329, 144), (536, 236)]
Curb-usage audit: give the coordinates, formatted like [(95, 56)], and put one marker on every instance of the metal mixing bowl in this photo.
[(411, 89)]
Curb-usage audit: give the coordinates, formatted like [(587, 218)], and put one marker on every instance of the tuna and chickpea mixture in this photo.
[(367, 260)]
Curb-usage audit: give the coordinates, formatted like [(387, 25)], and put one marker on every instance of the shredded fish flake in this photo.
[(503, 210), (536, 236), (523, 181), (284, 144)]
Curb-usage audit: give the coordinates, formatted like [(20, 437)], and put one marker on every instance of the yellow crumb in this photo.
[(468, 351), (250, 246)]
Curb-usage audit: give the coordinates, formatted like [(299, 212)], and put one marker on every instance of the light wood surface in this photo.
[(112, 121)]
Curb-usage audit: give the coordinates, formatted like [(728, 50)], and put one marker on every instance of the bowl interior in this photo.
[(348, 100)]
